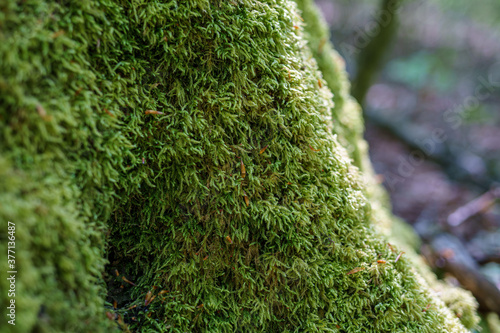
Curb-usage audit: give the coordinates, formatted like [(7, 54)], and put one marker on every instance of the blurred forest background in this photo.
[(431, 97)]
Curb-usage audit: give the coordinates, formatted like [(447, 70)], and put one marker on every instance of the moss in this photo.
[(493, 322), (348, 126), (60, 152), (460, 302), (231, 206), (346, 113)]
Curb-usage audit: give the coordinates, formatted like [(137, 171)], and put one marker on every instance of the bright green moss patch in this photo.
[(61, 153), (194, 138), (348, 126)]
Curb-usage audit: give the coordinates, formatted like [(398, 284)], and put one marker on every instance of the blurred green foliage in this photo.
[(422, 69)]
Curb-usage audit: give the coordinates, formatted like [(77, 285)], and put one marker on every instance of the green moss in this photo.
[(346, 113), (460, 302), (349, 128), (493, 322), (289, 246), (60, 157)]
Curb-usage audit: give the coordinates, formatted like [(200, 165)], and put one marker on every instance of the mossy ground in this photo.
[(233, 204)]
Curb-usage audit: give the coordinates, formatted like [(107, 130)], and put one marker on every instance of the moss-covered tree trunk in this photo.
[(199, 149)]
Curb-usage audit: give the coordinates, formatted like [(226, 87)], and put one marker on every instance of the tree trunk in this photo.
[(192, 145)]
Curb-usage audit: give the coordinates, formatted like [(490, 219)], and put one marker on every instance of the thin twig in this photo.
[(476, 206)]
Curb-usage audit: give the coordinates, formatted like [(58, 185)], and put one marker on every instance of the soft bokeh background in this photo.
[(432, 115)]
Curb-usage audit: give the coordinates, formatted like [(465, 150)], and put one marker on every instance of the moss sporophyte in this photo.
[(209, 152)]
